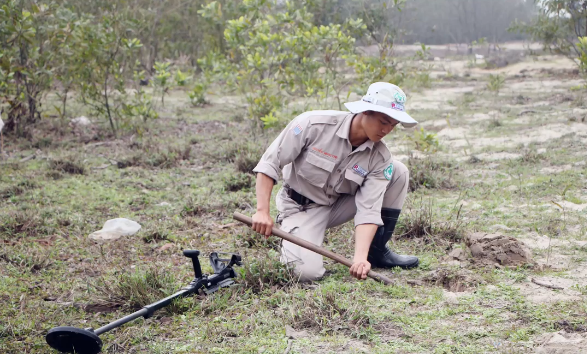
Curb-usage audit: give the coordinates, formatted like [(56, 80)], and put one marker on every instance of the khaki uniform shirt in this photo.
[(317, 160)]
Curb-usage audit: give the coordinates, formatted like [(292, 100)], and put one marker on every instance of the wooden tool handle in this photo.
[(312, 247)]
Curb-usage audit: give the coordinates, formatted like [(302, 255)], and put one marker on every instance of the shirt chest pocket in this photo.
[(316, 170), (350, 183)]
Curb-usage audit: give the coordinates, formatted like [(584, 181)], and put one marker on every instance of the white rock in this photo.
[(1, 124), (479, 56), (82, 121), (164, 204), (115, 229)]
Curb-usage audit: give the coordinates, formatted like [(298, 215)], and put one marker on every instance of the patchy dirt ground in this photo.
[(509, 161)]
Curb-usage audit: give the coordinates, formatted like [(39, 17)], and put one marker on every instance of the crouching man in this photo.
[(335, 168)]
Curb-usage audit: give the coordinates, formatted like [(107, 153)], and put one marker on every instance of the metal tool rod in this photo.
[(312, 247), (145, 312)]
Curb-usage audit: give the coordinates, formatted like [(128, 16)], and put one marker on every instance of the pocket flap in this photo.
[(350, 175), (320, 162)]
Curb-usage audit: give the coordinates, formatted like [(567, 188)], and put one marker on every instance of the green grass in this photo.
[(197, 163)]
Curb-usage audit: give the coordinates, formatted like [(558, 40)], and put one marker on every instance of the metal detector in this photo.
[(86, 341)]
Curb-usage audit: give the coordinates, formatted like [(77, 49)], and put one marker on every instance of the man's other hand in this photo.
[(359, 269), (262, 223)]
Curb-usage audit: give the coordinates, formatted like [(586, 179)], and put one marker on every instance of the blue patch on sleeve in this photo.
[(297, 130)]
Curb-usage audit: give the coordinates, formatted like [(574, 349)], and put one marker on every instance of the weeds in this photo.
[(252, 239), (18, 189), (531, 156), (138, 289), (494, 123), (425, 141), (265, 272), (430, 174), (26, 257), (72, 166), (202, 205), (154, 156), (237, 181), (327, 312), (27, 222), (495, 83), (420, 222)]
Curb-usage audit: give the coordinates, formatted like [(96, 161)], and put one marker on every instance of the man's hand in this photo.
[(360, 268), (262, 223)]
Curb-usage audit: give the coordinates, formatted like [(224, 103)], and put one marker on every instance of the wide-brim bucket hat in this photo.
[(385, 98)]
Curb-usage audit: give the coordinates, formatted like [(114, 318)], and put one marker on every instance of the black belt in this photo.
[(298, 198)]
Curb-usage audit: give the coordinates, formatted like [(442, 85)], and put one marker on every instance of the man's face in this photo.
[(377, 125)]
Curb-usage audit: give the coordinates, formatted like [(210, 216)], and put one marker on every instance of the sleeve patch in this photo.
[(297, 129), (388, 172)]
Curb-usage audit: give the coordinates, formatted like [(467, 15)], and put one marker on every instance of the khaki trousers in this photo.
[(311, 223)]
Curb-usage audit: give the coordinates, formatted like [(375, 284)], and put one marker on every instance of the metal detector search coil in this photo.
[(87, 341)]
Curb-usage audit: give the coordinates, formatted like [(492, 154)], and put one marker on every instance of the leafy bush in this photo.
[(28, 40), (560, 27), (495, 83), (425, 141), (274, 55), (197, 95)]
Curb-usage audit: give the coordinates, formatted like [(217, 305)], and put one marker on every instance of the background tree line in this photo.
[(269, 52)]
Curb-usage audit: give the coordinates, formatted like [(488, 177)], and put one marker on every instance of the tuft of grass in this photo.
[(137, 289), (494, 123), (154, 156), (265, 272), (251, 239), (17, 189), (245, 154), (430, 174), (71, 166), (531, 156), (26, 257), (170, 157), (156, 236), (28, 222), (237, 181), (327, 312), (419, 221), (43, 143)]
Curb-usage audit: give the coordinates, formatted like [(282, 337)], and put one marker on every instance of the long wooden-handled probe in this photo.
[(312, 247)]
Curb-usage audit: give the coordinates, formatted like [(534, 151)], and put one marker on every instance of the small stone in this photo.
[(458, 254), (164, 204), (476, 250)]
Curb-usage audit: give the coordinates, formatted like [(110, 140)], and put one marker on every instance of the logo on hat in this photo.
[(399, 97)]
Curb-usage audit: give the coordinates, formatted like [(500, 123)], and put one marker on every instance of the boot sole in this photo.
[(407, 266)]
